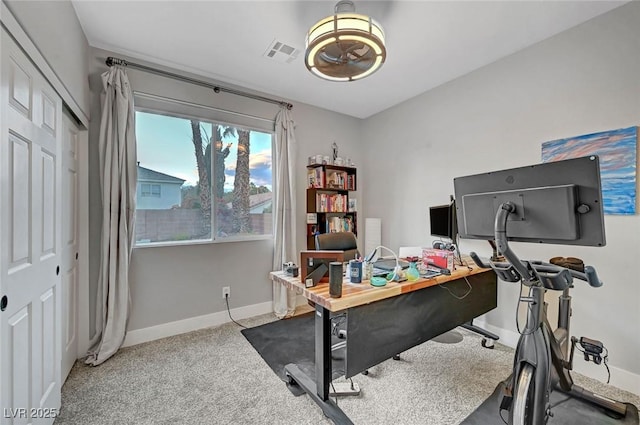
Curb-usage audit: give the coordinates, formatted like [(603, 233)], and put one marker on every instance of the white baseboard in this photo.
[(620, 378), (178, 327)]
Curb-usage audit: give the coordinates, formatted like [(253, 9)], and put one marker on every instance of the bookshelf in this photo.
[(330, 201)]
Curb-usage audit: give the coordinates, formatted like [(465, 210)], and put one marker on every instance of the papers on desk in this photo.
[(429, 273), (389, 264)]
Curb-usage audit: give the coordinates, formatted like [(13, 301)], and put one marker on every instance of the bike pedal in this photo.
[(591, 346), (592, 349)]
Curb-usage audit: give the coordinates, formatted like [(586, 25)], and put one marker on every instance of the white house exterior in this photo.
[(157, 191)]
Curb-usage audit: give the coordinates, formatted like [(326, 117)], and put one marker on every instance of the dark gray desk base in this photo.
[(380, 330)]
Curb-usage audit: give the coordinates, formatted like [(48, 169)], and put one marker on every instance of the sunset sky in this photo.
[(165, 145)]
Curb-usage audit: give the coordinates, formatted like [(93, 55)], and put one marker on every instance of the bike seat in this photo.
[(569, 262)]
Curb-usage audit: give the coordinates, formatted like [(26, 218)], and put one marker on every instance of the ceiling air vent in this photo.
[(281, 52)]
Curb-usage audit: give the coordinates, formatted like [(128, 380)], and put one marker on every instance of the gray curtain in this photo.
[(118, 178), (285, 210)]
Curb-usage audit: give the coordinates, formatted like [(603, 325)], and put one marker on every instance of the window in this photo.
[(149, 190), (200, 179)]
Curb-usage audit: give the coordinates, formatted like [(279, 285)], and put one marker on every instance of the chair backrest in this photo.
[(339, 241)]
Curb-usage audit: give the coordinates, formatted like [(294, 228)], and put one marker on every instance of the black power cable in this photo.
[(226, 298)]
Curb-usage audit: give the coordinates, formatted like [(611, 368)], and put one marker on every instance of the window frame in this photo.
[(149, 193), (187, 114)]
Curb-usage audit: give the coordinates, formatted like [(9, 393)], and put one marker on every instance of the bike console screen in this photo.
[(555, 202)]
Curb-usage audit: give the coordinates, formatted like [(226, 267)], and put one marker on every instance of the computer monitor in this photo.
[(555, 202), (442, 220)]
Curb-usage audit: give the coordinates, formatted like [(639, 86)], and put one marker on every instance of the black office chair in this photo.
[(339, 241)]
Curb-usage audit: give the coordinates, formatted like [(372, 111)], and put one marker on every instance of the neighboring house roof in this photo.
[(145, 174), (257, 199)]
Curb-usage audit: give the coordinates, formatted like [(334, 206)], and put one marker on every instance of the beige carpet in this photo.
[(214, 376)]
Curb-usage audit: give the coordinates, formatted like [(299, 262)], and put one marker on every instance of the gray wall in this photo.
[(180, 282), (54, 28), (581, 81)]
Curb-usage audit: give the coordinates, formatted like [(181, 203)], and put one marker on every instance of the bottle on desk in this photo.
[(354, 271), (367, 270), (412, 273)]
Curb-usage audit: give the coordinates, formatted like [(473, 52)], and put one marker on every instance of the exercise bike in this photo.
[(543, 360)]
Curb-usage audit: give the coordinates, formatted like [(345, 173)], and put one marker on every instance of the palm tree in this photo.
[(203, 179), (219, 155), (242, 186)]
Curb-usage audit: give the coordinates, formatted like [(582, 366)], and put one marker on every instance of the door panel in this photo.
[(20, 89), (48, 204), (19, 341), (18, 185), (30, 258), (48, 114), (48, 308), (70, 245)]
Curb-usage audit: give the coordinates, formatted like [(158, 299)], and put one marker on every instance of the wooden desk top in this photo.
[(356, 294)]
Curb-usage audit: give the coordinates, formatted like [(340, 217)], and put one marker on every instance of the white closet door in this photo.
[(31, 241), (70, 244)]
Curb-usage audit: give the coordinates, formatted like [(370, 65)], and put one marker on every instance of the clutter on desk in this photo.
[(367, 270), (290, 269), (440, 258), (335, 279), (314, 265), (412, 272), (355, 271), (378, 281)]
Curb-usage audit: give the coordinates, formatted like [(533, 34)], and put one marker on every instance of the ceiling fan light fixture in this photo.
[(346, 46), (326, 77)]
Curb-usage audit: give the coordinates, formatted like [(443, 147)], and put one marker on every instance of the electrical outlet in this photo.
[(226, 292)]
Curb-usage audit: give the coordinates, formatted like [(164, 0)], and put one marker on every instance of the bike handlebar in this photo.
[(592, 277), (531, 273), (547, 269)]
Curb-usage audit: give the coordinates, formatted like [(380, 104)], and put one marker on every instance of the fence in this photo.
[(183, 224)]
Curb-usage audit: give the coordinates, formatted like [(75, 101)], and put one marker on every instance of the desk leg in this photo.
[(319, 390), (323, 351)]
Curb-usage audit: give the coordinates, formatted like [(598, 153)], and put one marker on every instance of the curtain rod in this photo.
[(111, 61)]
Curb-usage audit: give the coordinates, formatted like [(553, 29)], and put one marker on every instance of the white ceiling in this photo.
[(428, 42)]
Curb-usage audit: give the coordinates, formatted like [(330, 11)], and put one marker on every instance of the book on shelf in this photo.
[(315, 178), (331, 202), (336, 179), (339, 224), (351, 182)]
